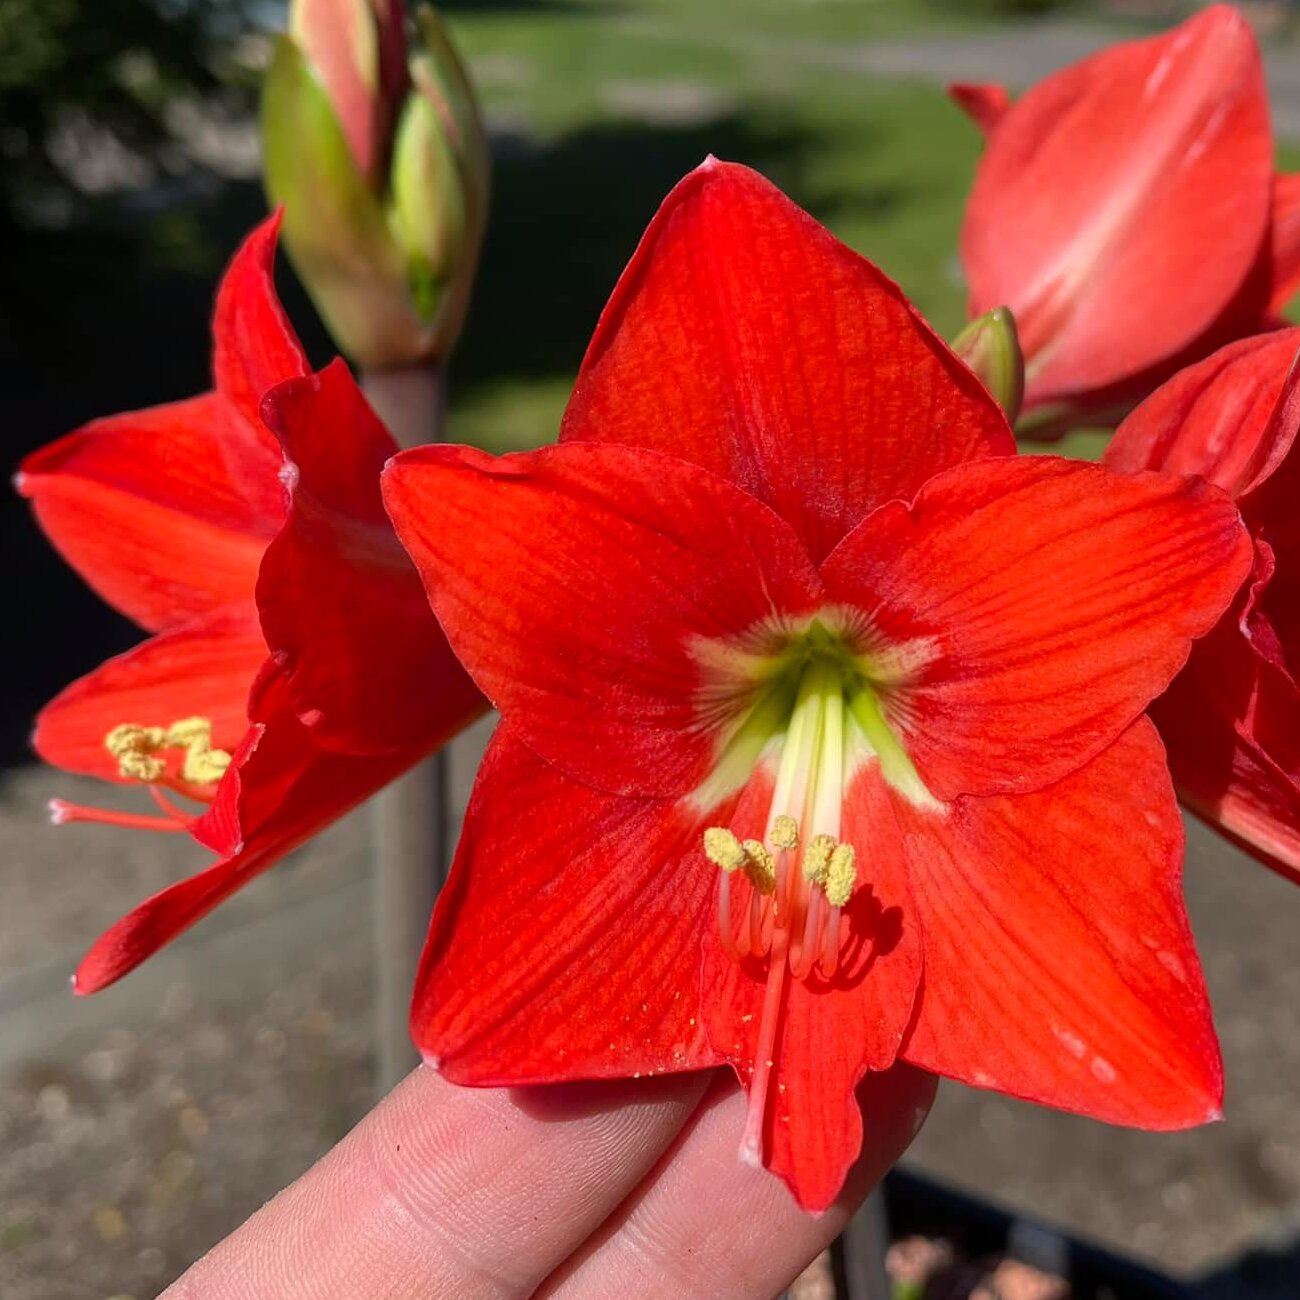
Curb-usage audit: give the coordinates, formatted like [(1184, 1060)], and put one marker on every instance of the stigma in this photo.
[(179, 757)]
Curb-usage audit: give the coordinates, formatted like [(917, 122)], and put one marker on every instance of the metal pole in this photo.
[(410, 833)]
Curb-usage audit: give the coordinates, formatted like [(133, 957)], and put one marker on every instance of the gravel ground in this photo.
[(139, 1126)]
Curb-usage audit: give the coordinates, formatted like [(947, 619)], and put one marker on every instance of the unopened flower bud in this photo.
[(990, 346), (357, 50), (375, 149)]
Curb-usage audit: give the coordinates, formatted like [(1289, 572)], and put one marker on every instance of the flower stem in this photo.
[(864, 1242), (410, 815)]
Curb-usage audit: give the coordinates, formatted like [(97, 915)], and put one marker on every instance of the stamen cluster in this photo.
[(142, 755), (801, 876), (137, 750), (827, 872)]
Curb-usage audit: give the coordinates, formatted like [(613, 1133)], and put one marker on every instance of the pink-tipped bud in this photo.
[(374, 147), (357, 50)]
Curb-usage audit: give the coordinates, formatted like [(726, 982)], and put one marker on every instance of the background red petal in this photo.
[(1228, 418), (254, 345), (985, 105), (1123, 202), (1285, 245), (148, 509), (343, 609), (203, 669), (280, 791)]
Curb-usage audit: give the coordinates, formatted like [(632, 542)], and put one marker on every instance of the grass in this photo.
[(600, 108)]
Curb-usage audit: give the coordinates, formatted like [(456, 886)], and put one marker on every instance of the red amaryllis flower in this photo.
[(1231, 719), (1127, 212), (294, 666), (822, 740)]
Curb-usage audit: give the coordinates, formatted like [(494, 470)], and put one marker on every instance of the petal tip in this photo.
[(59, 812), (1229, 17)]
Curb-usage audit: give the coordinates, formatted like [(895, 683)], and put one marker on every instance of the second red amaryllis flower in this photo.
[(1231, 719), (294, 667), (1127, 211), (822, 742)]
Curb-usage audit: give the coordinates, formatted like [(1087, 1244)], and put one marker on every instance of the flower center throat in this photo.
[(817, 715)]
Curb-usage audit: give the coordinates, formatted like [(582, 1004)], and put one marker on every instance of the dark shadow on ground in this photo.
[(1267, 1272), (88, 329)]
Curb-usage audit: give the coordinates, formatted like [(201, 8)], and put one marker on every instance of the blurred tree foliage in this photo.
[(98, 74), (89, 92)]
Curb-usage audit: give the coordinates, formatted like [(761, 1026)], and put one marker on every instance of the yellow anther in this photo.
[(841, 875), (785, 832), (759, 867), (816, 858), (723, 849), (204, 765), (190, 731), (136, 749)]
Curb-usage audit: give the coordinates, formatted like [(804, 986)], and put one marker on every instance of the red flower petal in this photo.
[(1286, 240), (1045, 603), (342, 606), (1101, 191), (146, 508), (744, 337), (254, 346), (985, 105), (1231, 725), (1059, 965), (1231, 418), (204, 669), (280, 791), (567, 943), (1231, 719), (832, 1032), (576, 582)]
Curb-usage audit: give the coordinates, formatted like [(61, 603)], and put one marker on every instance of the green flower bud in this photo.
[(383, 178), (990, 346)]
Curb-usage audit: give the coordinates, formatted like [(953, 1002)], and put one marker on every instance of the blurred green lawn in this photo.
[(604, 106)]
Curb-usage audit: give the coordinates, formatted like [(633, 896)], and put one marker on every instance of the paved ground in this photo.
[(1016, 56), (1020, 56), (140, 1125)]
